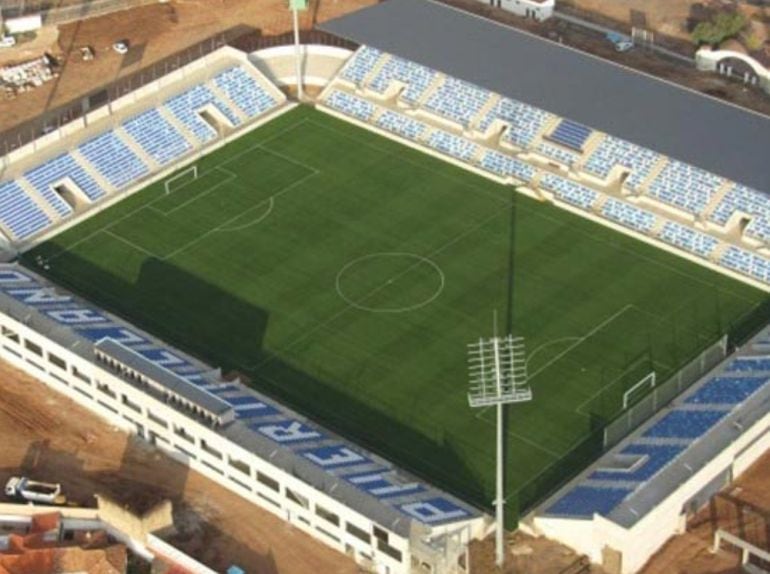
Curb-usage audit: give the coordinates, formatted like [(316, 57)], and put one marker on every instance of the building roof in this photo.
[(681, 123), (344, 471), (170, 381)]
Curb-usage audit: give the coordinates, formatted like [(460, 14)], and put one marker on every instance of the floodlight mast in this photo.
[(296, 6), (498, 376)]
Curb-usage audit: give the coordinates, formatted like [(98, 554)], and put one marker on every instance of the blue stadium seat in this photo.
[(585, 501), (727, 390), (44, 176), (19, 213), (571, 134), (113, 159), (654, 459), (244, 91), (156, 136), (685, 424), (401, 125), (569, 191), (351, 105), (186, 105)]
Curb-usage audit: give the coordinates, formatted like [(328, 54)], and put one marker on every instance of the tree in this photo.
[(721, 27)]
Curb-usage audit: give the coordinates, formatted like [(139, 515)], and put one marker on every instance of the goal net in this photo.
[(639, 389), (181, 179)]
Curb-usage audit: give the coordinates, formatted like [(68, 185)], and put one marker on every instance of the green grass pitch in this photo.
[(344, 274)]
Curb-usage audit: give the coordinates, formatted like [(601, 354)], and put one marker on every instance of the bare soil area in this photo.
[(46, 436), (690, 553), (643, 60), (528, 555), (154, 33)]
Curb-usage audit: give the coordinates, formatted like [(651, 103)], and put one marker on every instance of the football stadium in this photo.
[(281, 294)]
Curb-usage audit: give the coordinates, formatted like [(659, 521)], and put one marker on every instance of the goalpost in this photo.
[(187, 175), (645, 383)]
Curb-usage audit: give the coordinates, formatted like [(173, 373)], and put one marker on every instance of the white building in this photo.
[(537, 9), (348, 498)]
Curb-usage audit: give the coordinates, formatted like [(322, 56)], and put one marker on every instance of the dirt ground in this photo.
[(154, 32), (528, 555), (691, 553), (46, 436), (673, 18)]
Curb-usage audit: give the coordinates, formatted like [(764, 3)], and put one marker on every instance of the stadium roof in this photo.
[(683, 124)]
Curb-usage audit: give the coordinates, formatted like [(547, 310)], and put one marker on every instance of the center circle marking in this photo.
[(417, 261)]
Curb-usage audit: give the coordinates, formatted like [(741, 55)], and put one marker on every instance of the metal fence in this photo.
[(664, 393)]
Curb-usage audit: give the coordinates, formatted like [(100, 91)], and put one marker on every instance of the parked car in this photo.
[(7, 42), (121, 47), (23, 488)]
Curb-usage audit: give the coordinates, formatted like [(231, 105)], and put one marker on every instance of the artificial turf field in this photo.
[(344, 274)]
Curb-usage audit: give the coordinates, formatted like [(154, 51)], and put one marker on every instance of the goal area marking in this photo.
[(193, 169), (648, 380)]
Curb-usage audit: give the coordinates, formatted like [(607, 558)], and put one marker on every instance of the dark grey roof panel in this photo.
[(171, 381), (666, 118)]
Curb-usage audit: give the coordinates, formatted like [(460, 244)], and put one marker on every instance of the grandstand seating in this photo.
[(727, 390), (525, 121), (19, 213), (458, 101), (747, 263), (63, 166), (654, 459), (749, 364), (571, 134), (685, 186), (569, 191), (612, 151), (361, 64), (585, 501), (351, 105), (452, 145), (556, 153), (505, 165), (750, 202), (156, 136), (185, 108), (113, 159), (684, 424), (688, 239), (401, 125), (628, 215), (416, 77), (244, 91)]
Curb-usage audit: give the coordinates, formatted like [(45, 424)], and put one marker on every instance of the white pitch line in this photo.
[(582, 339), (223, 226), (577, 343), (131, 244), (230, 177)]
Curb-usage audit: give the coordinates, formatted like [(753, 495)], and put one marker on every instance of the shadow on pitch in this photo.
[(224, 331)]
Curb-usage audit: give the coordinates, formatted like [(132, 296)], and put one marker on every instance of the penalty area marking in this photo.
[(420, 260), (578, 341)]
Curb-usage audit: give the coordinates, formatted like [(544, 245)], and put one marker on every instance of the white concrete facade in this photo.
[(636, 545), (206, 451)]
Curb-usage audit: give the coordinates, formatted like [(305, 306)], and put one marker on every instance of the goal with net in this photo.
[(181, 179)]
